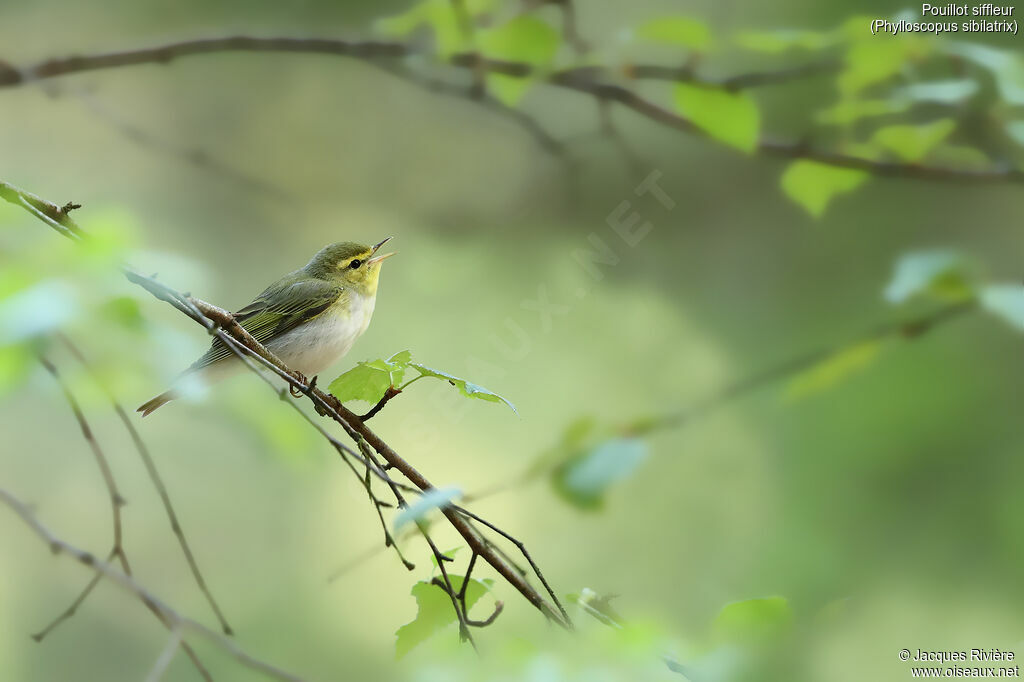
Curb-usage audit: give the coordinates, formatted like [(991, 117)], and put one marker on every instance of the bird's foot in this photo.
[(299, 391)]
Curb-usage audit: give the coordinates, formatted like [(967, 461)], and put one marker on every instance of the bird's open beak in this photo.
[(376, 247)]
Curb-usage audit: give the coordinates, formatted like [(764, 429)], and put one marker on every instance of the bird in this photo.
[(309, 318)]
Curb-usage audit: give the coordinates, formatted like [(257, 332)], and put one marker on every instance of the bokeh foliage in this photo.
[(874, 490)]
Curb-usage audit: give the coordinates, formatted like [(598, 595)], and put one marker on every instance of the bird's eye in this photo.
[(355, 263)]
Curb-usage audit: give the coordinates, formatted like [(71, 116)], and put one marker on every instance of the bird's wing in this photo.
[(280, 308)]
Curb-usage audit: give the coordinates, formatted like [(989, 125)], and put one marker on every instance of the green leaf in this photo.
[(436, 498), (813, 184), (833, 369), (584, 480), (123, 310), (1005, 301), (466, 388), (524, 39), (941, 274), (368, 381), (729, 117), (753, 622), (775, 42), (434, 611), (677, 30), (441, 16), (913, 142), (870, 61)]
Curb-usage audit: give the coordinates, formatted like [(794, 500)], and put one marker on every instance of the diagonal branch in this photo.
[(223, 325)]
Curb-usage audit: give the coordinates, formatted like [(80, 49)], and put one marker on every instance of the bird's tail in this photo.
[(165, 397)]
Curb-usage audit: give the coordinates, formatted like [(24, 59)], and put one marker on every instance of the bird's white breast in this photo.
[(312, 347)]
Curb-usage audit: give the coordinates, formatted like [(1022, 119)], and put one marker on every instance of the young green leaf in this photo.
[(468, 389), (368, 381), (523, 39), (437, 498), (813, 185), (682, 31), (1005, 301), (913, 142), (941, 274), (729, 117), (443, 19), (873, 61), (585, 479), (833, 369), (434, 611)]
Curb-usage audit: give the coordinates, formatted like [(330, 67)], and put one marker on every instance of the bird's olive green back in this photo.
[(284, 305)]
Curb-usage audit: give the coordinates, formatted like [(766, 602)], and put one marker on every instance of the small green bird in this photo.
[(309, 318)]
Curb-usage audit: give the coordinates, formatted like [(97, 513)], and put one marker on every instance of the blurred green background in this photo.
[(887, 511)]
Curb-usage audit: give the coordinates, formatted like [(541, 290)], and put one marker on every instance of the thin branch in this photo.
[(223, 325), (587, 79), (130, 585), (390, 393), (910, 329), (522, 550), (166, 656), (155, 478), (194, 156), (116, 502), (907, 329)]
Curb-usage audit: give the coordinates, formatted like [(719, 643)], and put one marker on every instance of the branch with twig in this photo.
[(177, 623), (254, 355), (598, 82)]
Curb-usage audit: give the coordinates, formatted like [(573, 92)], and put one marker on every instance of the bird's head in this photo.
[(351, 265)]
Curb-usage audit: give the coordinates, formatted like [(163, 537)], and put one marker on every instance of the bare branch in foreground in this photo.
[(116, 502), (157, 480), (174, 619)]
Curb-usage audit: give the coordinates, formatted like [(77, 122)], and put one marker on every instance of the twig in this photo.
[(390, 393), (587, 79), (522, 550), (130, 585), (197, 157), (223, 325), (156, 479), (166, 656), (908, 329), (116, 502)]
